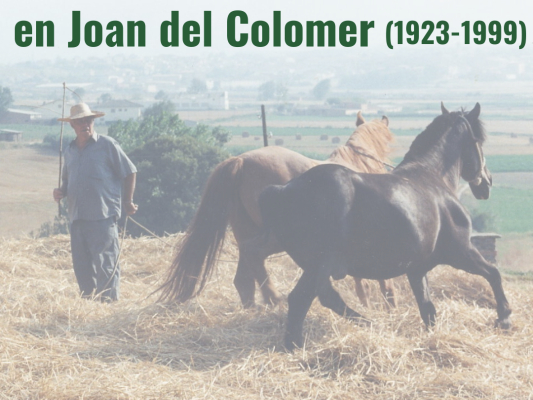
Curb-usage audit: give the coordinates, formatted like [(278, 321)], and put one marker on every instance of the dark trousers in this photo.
[(95, 251)]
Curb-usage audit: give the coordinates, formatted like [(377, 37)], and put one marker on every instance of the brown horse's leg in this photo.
[(244, 282), (271, 296), (361, 291), (471, 261), (243, 230), (387, 289)]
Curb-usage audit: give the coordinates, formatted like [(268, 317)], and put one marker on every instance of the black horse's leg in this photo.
[(419, 285), (300, 300), (471, 261), (331, 299), (252, 253)]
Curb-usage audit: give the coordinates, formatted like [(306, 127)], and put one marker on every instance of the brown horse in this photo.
[(231, 196)]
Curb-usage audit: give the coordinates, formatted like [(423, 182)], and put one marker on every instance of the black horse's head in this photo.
[(481, 190), (473, 167)]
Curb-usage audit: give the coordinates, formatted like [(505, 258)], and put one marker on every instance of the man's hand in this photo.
[(130, 208), (58, 194)]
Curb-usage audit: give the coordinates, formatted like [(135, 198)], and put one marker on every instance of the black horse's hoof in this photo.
[(289, 348), (503, 323), (361, 321), (291, 345)]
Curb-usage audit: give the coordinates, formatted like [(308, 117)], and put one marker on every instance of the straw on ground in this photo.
[(54, 345)]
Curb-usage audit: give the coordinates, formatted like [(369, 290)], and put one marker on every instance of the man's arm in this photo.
[(129, 189)]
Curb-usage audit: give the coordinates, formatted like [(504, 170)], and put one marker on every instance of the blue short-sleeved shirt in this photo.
[(92, 178)]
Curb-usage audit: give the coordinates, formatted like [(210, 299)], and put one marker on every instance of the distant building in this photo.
[(324, 111), (116, 110), (10, 135), (16, 116), (202, 101)]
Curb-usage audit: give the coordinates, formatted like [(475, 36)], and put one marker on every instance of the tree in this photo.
[(273, 90), (77, 95), (267, 91), (6, 99), (172, 172), (104, 98), (197, 86), (160, 108), (160, 120), (161, 95), (173, 162), (321, 89)]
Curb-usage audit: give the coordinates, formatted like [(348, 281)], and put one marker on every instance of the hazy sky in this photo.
[(156, 11)]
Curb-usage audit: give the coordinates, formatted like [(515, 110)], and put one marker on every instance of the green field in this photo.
[(502, 163), (510, 163), (511, 207), (33, 132)]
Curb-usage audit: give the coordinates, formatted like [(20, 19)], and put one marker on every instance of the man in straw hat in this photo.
[(95, 170)]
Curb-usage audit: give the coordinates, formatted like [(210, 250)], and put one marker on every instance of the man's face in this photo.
[(84, 127)]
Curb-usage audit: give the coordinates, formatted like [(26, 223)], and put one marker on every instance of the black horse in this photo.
[(333, 221)]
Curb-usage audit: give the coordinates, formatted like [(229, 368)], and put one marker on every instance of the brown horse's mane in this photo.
[(373, 135)]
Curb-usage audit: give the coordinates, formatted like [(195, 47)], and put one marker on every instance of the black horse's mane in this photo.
[(436, 129)]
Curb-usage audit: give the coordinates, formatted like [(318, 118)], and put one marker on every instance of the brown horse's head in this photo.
[(368, 147)]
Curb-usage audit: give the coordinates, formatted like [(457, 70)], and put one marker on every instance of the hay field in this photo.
[(54, 345)]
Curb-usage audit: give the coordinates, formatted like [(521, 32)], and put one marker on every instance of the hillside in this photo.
[(54, 345)]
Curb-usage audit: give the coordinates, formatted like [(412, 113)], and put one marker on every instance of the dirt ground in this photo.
[(27, 177)]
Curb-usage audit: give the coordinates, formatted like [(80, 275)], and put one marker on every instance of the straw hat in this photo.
[(81, 110)]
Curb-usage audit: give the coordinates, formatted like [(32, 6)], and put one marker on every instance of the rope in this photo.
[(373, 158), (150, 232), (61, 151), (118, 255), (168, 244), (79, 97)]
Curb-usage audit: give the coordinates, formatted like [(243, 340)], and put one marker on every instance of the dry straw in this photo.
[(54, 345)]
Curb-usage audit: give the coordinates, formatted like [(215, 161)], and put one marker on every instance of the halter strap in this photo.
[(463, 119), (476, 181)]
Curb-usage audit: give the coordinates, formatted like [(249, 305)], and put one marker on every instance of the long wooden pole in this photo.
[(61, 149), (263, 118)]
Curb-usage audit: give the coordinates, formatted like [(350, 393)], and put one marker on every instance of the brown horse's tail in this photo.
[(204, 238)]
